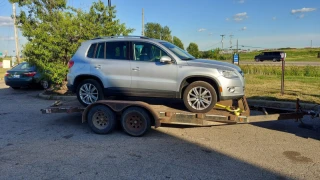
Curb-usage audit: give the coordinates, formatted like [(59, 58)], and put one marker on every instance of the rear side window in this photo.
[(90, 53), (100, 51), (116, 50)]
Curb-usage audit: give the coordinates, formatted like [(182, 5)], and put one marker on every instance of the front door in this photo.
[(149, 76)]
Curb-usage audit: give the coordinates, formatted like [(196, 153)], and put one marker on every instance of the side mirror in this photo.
[(165, 60)]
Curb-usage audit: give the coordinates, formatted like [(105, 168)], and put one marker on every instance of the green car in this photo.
[(24, 75)]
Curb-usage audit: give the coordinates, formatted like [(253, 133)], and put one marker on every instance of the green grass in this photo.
[(269, 87), (299, 71), (292, 55)]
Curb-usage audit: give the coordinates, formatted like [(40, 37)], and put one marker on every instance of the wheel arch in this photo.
[(83, 77), (190, 79)]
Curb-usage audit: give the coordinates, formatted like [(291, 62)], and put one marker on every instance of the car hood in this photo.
[(213, 64)]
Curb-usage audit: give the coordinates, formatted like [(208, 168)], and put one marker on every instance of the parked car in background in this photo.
[(272, 55), (145, 67), (24, 75)]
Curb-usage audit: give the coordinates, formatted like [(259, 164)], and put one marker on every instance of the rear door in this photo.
[(112, 65)]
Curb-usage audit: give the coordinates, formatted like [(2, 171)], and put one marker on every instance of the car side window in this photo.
[(91, 50), (147, 52), (116, 50), (100, 51)]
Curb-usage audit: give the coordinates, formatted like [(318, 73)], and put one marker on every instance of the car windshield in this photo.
[(182, 54)]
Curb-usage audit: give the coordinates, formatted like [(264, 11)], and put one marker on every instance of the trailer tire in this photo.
[(101, 119), (135, 121)]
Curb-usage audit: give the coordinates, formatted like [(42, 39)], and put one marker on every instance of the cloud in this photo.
[(6, 21), (274, 18), (240, 1), (227, 19), (240, 16), (244, 28), (210, 34), (7, 38), (201, 29), (301, 16), (303, 10)]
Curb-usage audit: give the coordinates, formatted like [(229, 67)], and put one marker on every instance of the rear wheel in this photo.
[(135, 121), (257, 60), (199, 97), (274, 60), (45, 84), (101, 119), (89, 91)]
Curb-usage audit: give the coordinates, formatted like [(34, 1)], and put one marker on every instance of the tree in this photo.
[(54, 32), (155, 30), (177, 42), (193, 49)]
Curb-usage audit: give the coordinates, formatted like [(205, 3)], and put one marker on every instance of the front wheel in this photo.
[(89, 91), (199, 97)]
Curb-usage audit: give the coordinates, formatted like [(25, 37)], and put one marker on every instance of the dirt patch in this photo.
[(59, 90)]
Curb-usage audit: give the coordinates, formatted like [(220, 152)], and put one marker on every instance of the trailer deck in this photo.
[(164, 111)]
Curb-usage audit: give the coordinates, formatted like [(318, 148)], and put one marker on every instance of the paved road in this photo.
[(288, 63), (58, 146)]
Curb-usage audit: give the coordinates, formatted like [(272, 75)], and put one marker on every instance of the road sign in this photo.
[(235, 58)]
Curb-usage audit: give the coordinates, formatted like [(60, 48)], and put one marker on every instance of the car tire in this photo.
[(135, 121), (15, 88), (45, 84), (274, 60), (257, 60), (199, 97), (92, 87), (101, 119)]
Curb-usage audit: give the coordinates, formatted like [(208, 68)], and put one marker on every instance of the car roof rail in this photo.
[(107, 37)]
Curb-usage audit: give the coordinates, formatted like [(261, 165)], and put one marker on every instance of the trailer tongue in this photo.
[(137, 117)]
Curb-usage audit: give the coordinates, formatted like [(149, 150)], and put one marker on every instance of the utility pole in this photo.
[(237, 46), (311, 43), (222, 36), (142, 33), (15, 32), (231, 40), (109, 3)]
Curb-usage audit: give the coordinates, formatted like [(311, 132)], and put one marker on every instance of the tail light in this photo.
[(70, 63), (7, 74), (30, 74)]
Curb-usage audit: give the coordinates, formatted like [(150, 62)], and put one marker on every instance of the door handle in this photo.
[(135, 69), (98, 67)]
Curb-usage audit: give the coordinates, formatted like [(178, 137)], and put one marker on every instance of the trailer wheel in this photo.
[(135, 121), (101, 119)]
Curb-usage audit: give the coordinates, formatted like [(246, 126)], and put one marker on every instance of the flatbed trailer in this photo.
[(136, 117)]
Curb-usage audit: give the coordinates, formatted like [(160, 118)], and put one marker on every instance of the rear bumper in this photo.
[(19, 82)]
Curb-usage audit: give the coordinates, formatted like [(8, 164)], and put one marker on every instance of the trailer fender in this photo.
[(120, 106)]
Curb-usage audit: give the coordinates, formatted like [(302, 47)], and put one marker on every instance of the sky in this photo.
[(256, 24)]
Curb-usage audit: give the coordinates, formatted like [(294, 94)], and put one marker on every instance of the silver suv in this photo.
[(145, 67)]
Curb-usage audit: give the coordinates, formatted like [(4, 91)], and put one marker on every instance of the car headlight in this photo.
[(228, 74)]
